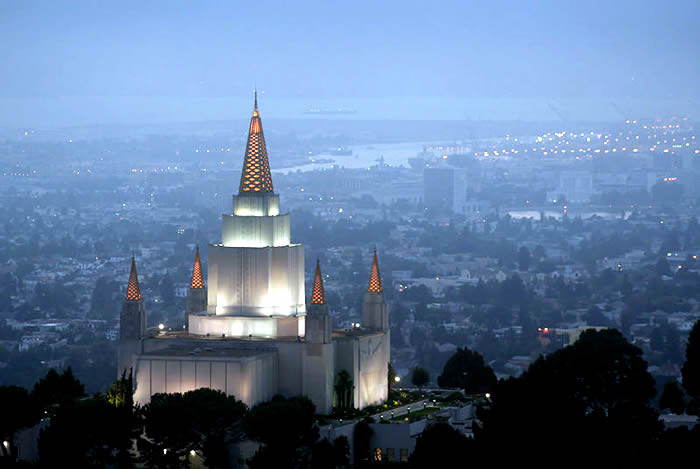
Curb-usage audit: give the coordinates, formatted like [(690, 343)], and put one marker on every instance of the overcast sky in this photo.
[(348, 50)]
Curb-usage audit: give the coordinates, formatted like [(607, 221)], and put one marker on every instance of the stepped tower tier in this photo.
[(256, 274)]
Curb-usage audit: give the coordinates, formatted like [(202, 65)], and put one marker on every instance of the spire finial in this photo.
[(133, 290), (375, 280), (255, 174), (197, 276), (318, 294)]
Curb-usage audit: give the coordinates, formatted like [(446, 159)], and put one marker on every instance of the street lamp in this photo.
[(397, 378)]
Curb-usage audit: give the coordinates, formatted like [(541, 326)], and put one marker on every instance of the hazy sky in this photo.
[(616, 49)]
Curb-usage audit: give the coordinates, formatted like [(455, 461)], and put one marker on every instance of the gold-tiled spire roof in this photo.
[(255, 174), (375, 281), (318, 295), (197, 277), (133, 291)]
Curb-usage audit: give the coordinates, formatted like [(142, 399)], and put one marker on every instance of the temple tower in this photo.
[(318, 321), (256, 274), (196, 299), (375, 315), (132, 322)]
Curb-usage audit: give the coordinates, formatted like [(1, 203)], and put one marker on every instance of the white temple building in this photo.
[(250, 333)]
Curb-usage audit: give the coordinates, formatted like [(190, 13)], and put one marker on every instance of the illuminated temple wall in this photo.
[(256, 281), (255, 271), (245, 326), (252, 378), (366, 358)]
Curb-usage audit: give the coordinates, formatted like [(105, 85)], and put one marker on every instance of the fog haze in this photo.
[(66, 63)]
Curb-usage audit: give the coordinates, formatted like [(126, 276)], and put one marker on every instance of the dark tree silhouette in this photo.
[(420, 377), (199, 420), (441, 446), (390, 375), (467, 370), (672, 397), (524, 258), (88, 433), (343, 390), (19, 411), (362, 436), (327, 455), (286, 429), (57, 389), (596, 393), (691, 368)]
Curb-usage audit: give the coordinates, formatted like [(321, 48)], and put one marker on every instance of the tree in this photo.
[(672, 397), (524, 258), (662, 267), (691, 368), (121, 392), (467, 370), (199, 420), (391, 376), (539, 252), (438, 446), (57, 389), (167, 290), (87, 433), (102, 304), (672, 344), (361, 438), (19, 411), (326, 455), (343, 390), (420, 377), (287, 430), (596, 392), (656, 339)]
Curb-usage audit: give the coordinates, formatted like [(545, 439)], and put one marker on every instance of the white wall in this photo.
[(251, 379)]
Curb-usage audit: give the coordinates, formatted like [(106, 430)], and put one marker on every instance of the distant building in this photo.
[(451, 189), (574, 187)]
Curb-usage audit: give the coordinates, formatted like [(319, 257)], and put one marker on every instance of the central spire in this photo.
[(255, 174)]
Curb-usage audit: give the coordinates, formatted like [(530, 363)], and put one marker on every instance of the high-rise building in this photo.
[(448, 189), (249, 331)]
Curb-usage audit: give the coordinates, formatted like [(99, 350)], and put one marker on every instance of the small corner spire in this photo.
[(375, 280), (197, 276), (133, 290), (318, 294)]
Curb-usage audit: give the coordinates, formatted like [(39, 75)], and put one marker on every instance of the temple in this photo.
[(248, 330)]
